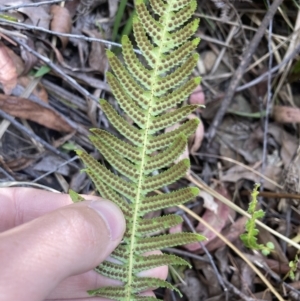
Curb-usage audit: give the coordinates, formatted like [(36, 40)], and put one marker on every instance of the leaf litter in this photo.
[(60, 114)]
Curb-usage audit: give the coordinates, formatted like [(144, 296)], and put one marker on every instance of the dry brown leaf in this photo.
[(285, 114), (97, 58), (8, 71), (18, 62), (61, 22), (78, 181), (209, 201), (277, 266), (232, 232), (72, 8), (288, 143), (62, 140), (19, 163), (113, 7), (39, 91), (29, 59), (208, 58), (50, 162), (195, 140), (27, 109), (194, 289), (197, 97), (237, 173), (217, 218), (38, 15)]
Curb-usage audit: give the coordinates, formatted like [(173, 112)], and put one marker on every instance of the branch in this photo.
[(57, 70), (30, 4), (241, 70)]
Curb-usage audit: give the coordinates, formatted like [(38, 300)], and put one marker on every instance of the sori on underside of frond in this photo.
[(143, 154)]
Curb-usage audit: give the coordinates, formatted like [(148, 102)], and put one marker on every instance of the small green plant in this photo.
[(293, 267), (250, 237)]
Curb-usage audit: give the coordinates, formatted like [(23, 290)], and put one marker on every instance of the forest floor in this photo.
[(52, 71)]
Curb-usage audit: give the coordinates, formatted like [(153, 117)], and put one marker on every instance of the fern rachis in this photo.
[(146, 94)]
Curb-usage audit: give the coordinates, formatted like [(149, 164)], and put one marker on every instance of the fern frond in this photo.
[(145, 93), (249, 238)]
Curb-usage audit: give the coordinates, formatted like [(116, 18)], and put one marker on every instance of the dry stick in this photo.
[(235, 249), (54, 169), (185, 253), (7, 174), (80, 37), (241, 69), (239, 293), (242, 165), (211, 261), (261, 77), (57, 70), (269, 194), (30, 5), (23, 129), (269, 97), (273, 70)]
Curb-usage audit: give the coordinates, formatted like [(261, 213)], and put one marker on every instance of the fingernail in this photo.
[(112, 216)]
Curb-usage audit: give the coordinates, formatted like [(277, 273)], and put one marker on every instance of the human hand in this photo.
[(49, 246)]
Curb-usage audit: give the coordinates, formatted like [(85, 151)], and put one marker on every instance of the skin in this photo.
[(49, 246)]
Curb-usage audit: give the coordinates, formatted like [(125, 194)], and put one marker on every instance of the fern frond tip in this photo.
[(195, 191), (102, 101), (79, 152), (197, 80), (109, 54)]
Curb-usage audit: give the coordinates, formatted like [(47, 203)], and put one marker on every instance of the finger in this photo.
[(20, 205), (24, 204), (38, 255)]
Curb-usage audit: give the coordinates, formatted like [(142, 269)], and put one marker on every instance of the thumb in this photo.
[(38, 255)]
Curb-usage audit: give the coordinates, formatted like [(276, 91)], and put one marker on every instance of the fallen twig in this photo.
[(26, 131), (30, 5), (248, 53)]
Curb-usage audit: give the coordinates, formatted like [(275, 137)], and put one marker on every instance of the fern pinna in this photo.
[(146, 94)]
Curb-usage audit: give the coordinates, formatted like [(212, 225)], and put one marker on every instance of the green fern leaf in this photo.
[(146, 93), (250, 237)]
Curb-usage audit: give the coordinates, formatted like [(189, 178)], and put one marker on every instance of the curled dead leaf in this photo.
[(237, 173), (232, 232), (27, 109), (209, 201), (61, 22), (195, 140), (289, 143), (8, 71), (17, 61), (39, 91), (285, 114), (38, 15), (197, 97), (97, 58), (29, 59)]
